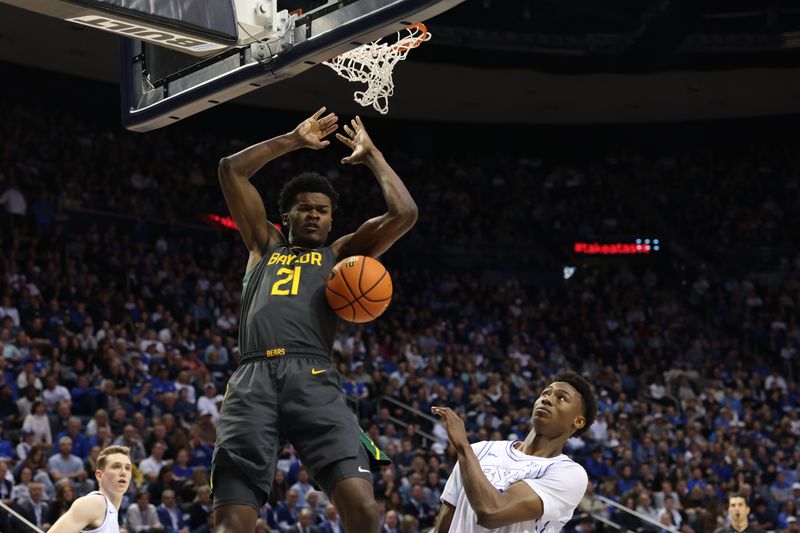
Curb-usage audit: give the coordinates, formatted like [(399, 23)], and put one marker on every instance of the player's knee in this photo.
[(227, 526), (368, 509)]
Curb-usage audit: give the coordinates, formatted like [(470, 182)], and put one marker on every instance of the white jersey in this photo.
[(559, 481), (110, 522)]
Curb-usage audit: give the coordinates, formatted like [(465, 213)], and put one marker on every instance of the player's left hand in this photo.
[(456, 432), (358, 141)]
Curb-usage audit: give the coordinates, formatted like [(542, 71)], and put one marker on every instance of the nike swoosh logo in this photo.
[(315, 372), (363, 470)]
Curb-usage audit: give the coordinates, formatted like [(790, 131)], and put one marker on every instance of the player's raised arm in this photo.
[(518, 503), (445, 518), (376, 235), (84, 512), (243, 199)]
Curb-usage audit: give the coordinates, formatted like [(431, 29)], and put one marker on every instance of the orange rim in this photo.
[(421, 38)]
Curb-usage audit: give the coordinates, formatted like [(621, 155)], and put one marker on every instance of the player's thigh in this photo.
[(248, 431), (331, 477), (315, 417), (233, 488)]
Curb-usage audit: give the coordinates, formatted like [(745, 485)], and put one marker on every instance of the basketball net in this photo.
[(373, 64)]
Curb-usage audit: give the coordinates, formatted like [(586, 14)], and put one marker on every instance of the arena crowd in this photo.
[(119, 315)]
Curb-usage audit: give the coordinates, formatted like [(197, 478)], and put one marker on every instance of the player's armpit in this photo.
[(445, 518), (375, 236), (519, 503)]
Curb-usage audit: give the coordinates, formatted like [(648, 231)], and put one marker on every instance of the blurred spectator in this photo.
[(65, 495), (15, 206), (37, 421), (54, 393), (164, 481), (65, 465), (181, 471), (34, 507), (142, 517), (170, 515), (390, 523), (80, 444), (302, 486), (279, 489), (208, 402), (288, 511), (152, 465), (100, 419), (304, 523), (6, 447), (315, 502), (417, 508), (200, 509), (331, 523), (130, 438)]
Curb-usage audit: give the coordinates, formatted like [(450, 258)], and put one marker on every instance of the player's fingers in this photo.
[(330, 129), (358, 120), (354, 124), (349, 130), (345, 140), (319, 113)]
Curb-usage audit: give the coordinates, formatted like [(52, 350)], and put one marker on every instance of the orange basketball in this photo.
[(359, 289)]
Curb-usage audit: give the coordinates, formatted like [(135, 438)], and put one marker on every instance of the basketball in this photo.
[(359, 289)]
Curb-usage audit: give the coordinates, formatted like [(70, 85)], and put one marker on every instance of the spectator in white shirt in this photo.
[(184, 382), (151, 466), (37, 421), (208, 402), (53, 392), (8, 309)]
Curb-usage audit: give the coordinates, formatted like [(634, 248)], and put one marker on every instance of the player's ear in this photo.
[(579, 422)]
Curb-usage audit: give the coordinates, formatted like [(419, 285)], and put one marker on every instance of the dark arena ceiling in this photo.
[(527, 61)]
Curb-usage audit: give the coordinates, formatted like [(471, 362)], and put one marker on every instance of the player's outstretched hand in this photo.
[(456, 432), (358, 141), (313, 130)]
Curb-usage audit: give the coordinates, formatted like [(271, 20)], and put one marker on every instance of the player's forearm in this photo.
[(395, 193), (242, 165), (483, 497)]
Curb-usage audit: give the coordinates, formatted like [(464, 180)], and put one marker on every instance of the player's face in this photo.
[(309, 219), (116, 477), (558, 410), (738, 509)]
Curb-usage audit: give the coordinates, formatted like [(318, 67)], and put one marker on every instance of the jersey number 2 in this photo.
[(290, 275)]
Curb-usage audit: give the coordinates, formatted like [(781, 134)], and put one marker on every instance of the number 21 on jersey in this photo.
[(288, 282)]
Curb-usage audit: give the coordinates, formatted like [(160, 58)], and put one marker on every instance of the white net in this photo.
[(373, 64)]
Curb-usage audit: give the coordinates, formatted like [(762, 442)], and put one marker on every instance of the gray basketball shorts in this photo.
[(272, 401)]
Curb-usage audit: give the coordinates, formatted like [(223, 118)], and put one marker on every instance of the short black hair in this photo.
[(306, 182), (741, 495), (585, 390)]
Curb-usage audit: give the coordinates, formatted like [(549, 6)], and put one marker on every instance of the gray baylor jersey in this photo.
[(284, 310)]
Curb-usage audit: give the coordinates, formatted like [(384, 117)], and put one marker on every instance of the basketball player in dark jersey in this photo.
[(285, 388)]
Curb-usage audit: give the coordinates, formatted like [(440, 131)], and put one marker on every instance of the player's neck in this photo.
[(115, 499), (541, 446)]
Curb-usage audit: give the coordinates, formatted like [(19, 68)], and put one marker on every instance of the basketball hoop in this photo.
[(373, 64)]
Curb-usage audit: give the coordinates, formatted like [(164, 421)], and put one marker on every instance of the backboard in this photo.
[(161, 86)]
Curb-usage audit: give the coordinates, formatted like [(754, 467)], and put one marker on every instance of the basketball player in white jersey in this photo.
[(525, 486), (97, 512)]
